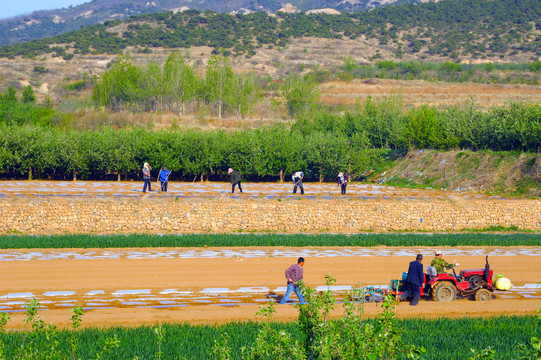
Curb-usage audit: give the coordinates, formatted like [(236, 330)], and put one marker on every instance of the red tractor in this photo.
[(474, 284)]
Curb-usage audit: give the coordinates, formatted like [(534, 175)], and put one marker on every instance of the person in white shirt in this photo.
[(297, 181)]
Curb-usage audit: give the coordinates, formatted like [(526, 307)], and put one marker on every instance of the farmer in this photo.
[(235, 178), (293, 276), (342, 182), (164, 178), (414, 281), (440, 265), (297, 177), (146, 177)]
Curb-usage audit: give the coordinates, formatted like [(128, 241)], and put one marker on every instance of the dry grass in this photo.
[(277, 62), (493, 172)]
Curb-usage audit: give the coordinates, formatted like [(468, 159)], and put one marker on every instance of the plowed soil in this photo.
[(137, 291)]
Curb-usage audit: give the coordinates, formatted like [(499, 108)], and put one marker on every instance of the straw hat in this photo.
[(439, 252), (340, 174)]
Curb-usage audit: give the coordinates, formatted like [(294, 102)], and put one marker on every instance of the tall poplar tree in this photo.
[(181, 80), (219, 80)]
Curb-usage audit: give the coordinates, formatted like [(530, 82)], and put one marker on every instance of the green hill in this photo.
[(46, 23), (452, 29)]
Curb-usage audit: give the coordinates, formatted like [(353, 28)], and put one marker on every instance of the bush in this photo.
[(77, 86), (40, 70)]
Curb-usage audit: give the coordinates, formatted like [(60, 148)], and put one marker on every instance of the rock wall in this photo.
[(159, 215)]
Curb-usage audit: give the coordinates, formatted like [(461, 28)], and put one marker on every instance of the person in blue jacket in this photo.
[(414, 281), (164, 178)]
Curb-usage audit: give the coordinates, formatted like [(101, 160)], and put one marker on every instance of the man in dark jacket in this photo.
[(235, 178), (414, 281)]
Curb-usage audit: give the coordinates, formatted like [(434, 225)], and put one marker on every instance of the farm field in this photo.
[(199, 286), (133, 287)]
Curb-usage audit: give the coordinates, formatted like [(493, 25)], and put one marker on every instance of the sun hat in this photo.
[(229, 171), (340, 174), (146, 165), (438, 252)]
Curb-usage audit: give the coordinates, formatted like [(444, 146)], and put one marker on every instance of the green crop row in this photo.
[(442, 338), (297, 240)]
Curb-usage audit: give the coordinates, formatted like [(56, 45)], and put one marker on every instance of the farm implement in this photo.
[(474, 284)]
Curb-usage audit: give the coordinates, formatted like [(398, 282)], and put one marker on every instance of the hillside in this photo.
[(508, 173), (500, 30), (41, 24)]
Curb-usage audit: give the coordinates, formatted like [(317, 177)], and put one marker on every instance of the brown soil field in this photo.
[(112, 280), (132, 287)]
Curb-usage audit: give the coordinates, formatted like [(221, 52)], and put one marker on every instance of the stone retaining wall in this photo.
[(160, 215)]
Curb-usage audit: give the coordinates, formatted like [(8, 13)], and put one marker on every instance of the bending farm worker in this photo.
[(164, 178), (235, 178), (440, 265), (297, 177)]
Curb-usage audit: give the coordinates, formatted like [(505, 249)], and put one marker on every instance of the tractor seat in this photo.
[(431, 270)]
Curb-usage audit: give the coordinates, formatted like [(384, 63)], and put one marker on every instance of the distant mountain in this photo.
[(450, 29), (46, 23)]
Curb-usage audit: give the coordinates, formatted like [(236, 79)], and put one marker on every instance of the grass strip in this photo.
[(246, 240), (442, 338)]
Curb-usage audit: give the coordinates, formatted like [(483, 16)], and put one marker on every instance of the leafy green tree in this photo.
[(181, 80), (219, 80), (28, 95), (301, 94), (244, 94)]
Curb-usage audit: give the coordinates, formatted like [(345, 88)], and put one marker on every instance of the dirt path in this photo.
[(136, 291)]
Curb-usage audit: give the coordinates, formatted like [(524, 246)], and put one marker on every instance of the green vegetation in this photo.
[(450, 28), (232, 240), (321, 144), (321, 338), (488, 73), (174, 85), (45, 341), (442, 338), (23, 111)]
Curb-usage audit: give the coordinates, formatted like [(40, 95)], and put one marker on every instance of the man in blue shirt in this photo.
[(164, 178), (414, 281)]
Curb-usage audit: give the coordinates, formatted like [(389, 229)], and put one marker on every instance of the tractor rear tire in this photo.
[(443, 291), (483, 295)]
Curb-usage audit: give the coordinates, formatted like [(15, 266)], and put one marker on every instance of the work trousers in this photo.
[(414, 291), (164, 185), (292, 288), (147, 183), (233, 187)]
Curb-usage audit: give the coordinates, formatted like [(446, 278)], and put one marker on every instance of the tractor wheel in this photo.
[(443, 291), (475, 282), (483, 295)]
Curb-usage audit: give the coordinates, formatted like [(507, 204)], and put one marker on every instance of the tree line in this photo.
[(175, 85), (449, 28), (321, 145)]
